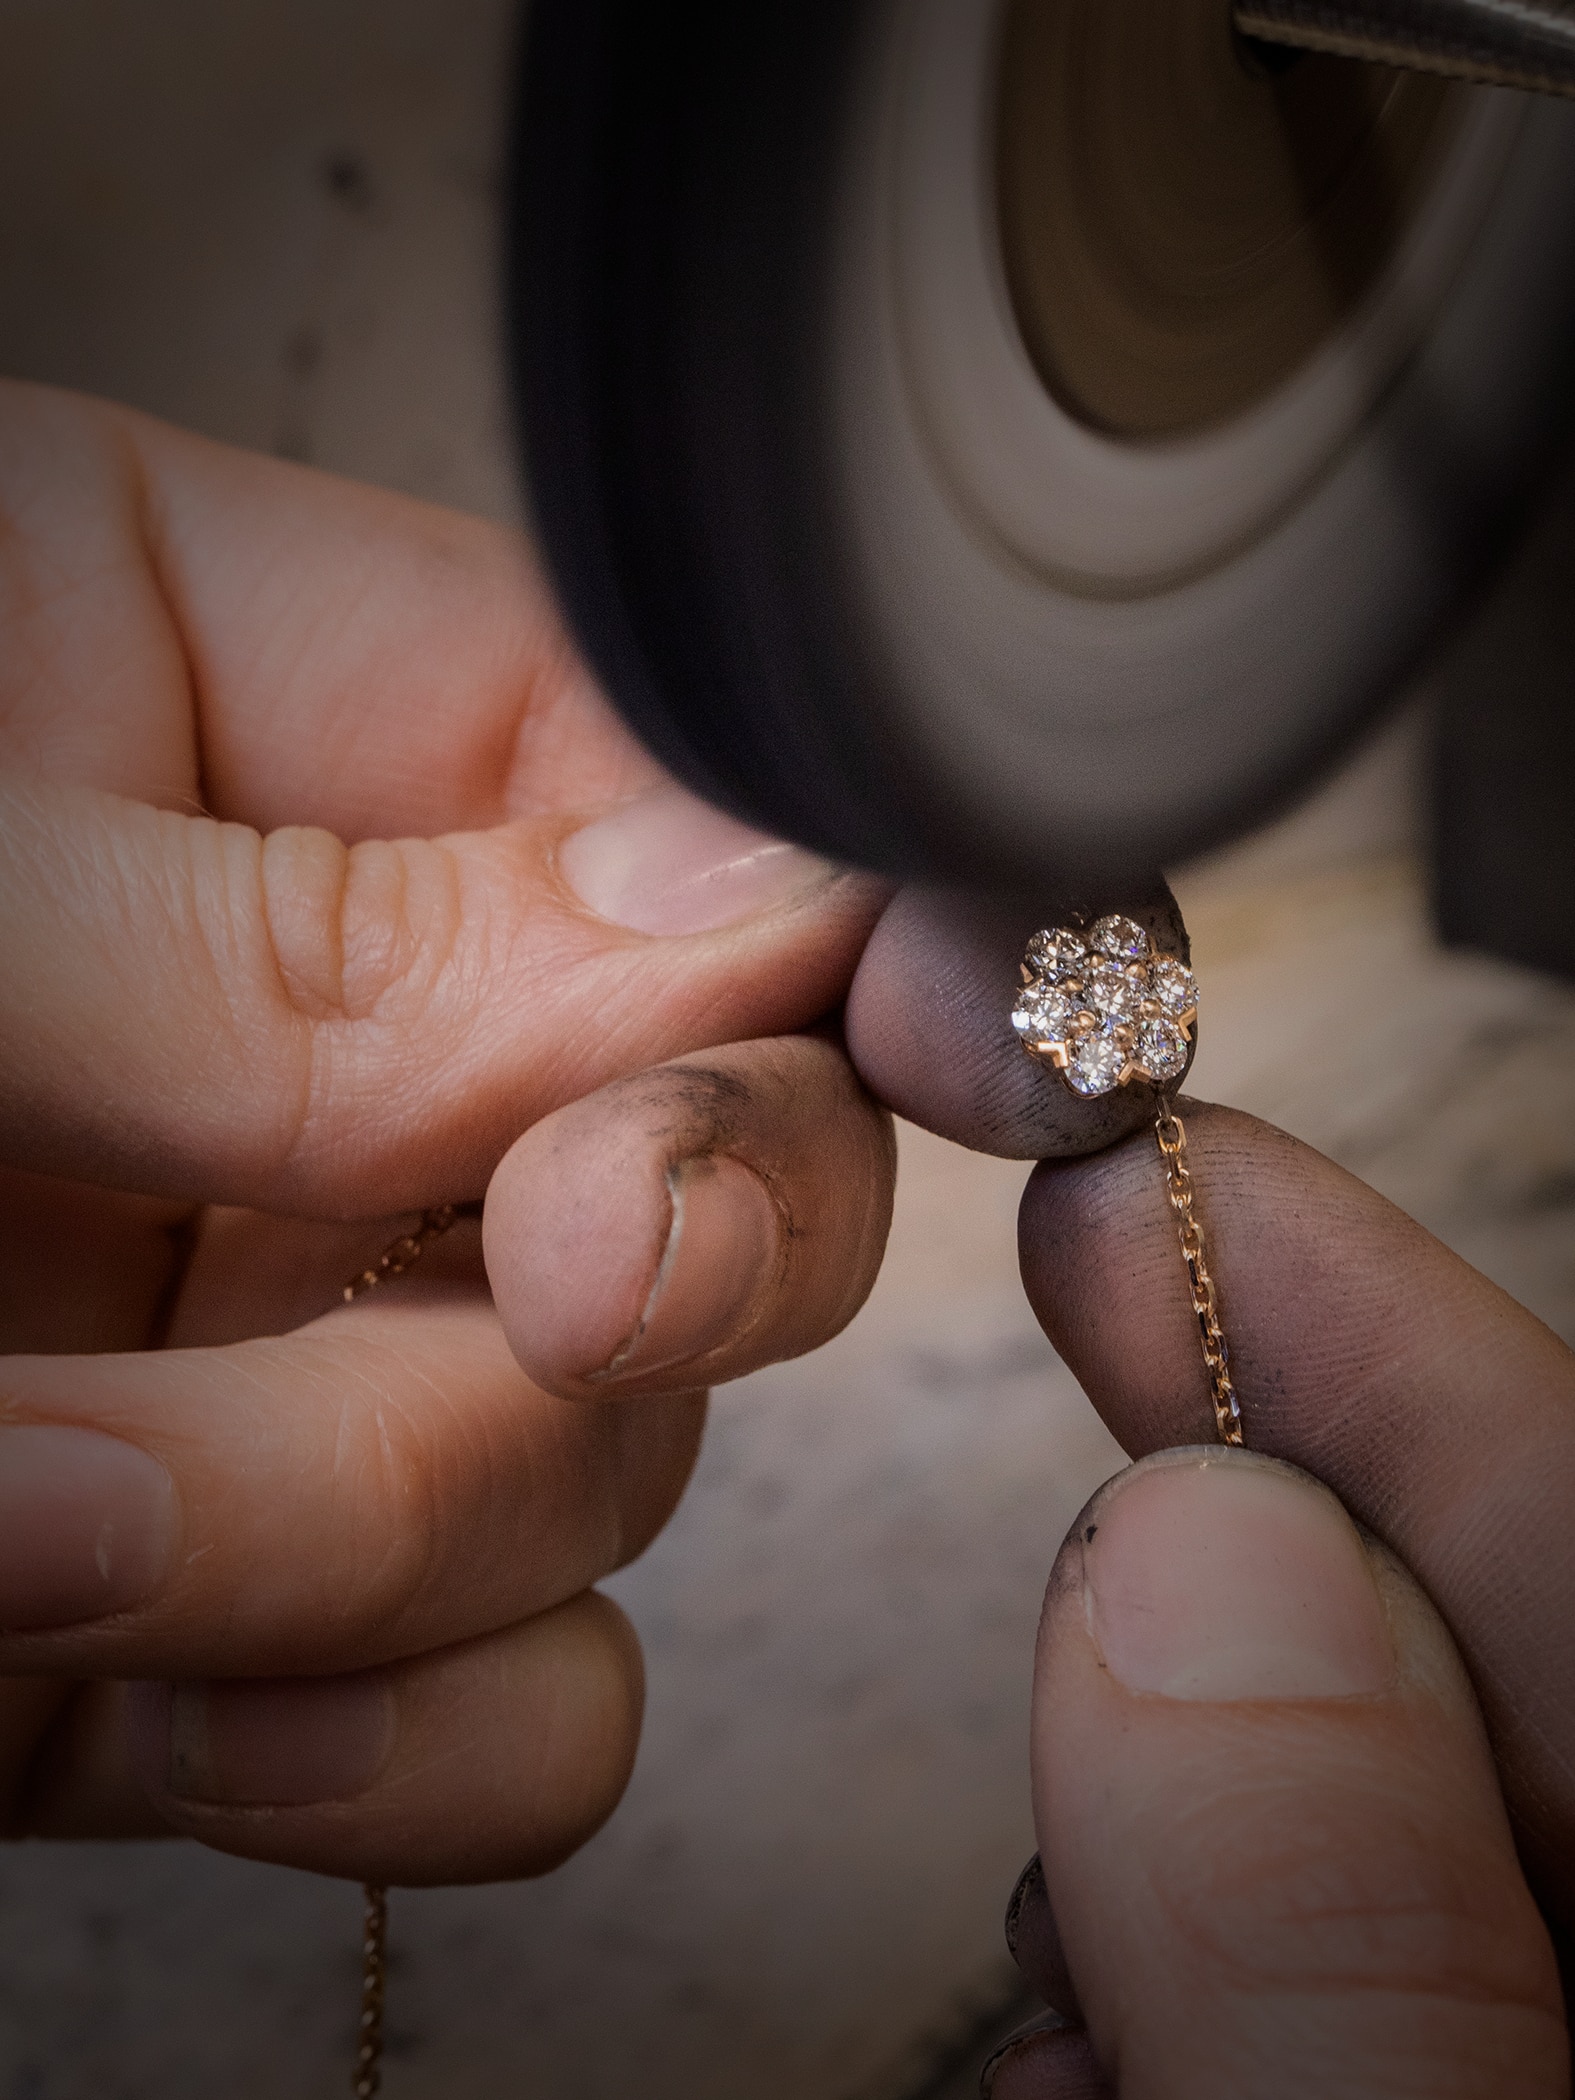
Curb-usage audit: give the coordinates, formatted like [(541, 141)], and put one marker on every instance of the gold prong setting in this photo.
[(1105, 1007)]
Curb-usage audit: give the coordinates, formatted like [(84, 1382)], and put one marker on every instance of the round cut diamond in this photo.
[(1175, 987), (1114, 992), (1041, 1014), (1123, 938), (1055, 953), (1161, 1050), (1096, 1063)]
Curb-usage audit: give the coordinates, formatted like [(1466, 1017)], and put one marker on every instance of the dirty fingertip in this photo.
[(929, 1020)]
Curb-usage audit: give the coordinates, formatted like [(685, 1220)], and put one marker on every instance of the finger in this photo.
[(1034, 1943), (482, 1762), (196, 626), (384, 1481), (1268, 1816), (693, 1223), (85, 1269), (190, 1009), (1048, 2059), (68, 1773), (1440, 1411), (929, 1021)]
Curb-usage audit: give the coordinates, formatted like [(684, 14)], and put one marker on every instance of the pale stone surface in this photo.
[(272, 219)]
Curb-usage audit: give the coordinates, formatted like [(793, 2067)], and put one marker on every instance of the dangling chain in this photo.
[(404, 1252), (1171, 1136), (395, 1259), (368, 2078)]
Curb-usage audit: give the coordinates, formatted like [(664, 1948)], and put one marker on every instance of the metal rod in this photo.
[(1502, 43)]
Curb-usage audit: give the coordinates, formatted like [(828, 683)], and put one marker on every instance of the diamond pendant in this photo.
[(1105, 1007)]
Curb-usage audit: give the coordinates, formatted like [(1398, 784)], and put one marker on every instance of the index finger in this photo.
[(1440, 1411), (191, 624)]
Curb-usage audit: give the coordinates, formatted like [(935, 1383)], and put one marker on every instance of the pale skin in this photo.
[(311, 918), (244, 1040)]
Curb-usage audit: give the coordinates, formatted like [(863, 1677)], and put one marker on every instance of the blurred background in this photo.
[(275, 221)]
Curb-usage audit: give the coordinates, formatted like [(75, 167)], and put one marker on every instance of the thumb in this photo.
[(1271, 1831), (192, 1009)]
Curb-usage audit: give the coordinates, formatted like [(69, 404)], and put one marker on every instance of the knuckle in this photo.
[(353, 928), (387, 1506), (1354, 1887), (365, 950), (455, 1497)]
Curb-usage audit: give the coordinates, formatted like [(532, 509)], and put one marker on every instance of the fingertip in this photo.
[(490, 1760), (669, 864), (929, 1021), (1034, 1941), (692, 1224), (1048, 2059), (1261, 1781), (591, 1704), (1222, 1575), (576, 1221)]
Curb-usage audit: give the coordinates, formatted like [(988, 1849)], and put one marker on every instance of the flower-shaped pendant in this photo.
[(1105, 1007)]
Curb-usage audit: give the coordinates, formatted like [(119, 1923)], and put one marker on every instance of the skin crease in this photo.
[(285, 770)]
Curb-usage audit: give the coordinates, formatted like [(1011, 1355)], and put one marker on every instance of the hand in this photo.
[(325, 873), (1300, 1789)]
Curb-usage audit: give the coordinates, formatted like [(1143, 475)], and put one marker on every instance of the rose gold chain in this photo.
[(402, 1253), (395, 1259), (368, 2077), (1171, 1135)]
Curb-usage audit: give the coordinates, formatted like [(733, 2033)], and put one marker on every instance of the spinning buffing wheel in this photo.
[(987, 437)]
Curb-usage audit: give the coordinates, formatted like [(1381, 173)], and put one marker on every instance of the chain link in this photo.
[(1171, 1136), (404, 1252), (368, 2079)]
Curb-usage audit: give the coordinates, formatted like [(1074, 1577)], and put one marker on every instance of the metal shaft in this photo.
[(1503, 43)]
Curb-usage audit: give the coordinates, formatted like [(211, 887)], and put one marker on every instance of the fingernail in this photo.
[(1027, 1891), (87, 1526), (1028, 2041), (723, 1247), (668, 863), (1222, 1575), (264, 1743)]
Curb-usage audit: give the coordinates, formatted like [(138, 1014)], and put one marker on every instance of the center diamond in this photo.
[(1114, 992)]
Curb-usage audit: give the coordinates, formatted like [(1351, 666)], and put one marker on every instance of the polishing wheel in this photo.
[(993, 438)]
